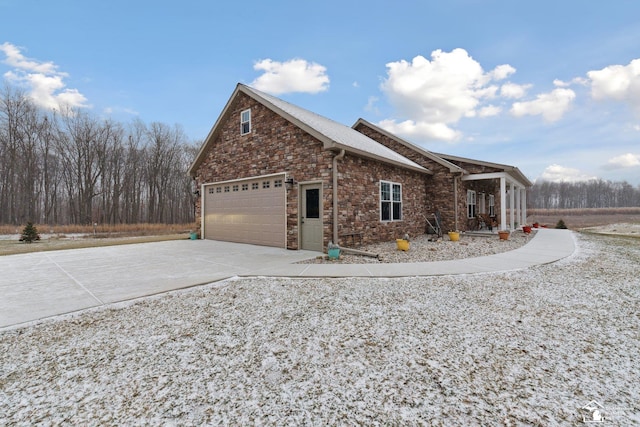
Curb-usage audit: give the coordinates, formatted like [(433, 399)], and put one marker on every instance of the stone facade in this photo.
[(275, 145), (443, 185)]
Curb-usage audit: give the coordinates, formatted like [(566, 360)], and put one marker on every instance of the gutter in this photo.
[(335, 194)]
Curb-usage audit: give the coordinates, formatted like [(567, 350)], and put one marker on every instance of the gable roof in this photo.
[(447, 160), (333, 135), (511, 170), (426, 153)]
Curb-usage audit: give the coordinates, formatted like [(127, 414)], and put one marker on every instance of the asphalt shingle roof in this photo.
[(332, 133)]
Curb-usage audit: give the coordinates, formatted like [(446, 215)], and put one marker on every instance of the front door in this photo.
[(311, 217)]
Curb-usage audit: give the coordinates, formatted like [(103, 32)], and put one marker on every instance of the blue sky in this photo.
[(552, 87)]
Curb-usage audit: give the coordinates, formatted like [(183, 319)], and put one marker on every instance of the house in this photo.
[(272, 173)]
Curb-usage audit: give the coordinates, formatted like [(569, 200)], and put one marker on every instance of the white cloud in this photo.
[(431, 95), (624, 161), (501, 72), (295, 75), (371, 105), (44, 83), (489, 111), (618, 82), (414, 129), (514, 91), (551, 106), (558, 173)]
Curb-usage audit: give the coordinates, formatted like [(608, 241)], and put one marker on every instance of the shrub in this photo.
[(29, 233), (561, 225)]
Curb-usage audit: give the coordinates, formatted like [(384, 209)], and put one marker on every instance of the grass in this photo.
[(85, 236), (576, 219)]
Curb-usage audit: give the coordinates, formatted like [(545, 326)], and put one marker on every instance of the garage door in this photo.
[(247, 211)]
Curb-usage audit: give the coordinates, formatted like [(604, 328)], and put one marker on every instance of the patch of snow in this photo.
[(524, 347)]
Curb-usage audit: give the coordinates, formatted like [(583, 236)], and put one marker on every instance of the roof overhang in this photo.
[(328, 143), (495, 175), (512, 171), (426, 153)]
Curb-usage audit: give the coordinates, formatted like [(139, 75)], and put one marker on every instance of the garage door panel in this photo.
[(251, 214)]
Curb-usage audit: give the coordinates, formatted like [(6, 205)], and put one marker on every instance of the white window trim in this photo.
[(390, 201), (481, 204), (471, 201), (243, 122), (492, 205)]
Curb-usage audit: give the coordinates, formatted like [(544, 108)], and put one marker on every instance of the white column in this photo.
[(523, 220), (518, 205), (503, 204), (511, 206)]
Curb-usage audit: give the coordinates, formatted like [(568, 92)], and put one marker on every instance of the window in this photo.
[(492, 205), (481, 203), (390, 201), (255, 186), (471, 204), (245, 187), (211, 190), (218, 189), (266, 184), (245, 122), (226, 189), (235, 188), (277, 183)]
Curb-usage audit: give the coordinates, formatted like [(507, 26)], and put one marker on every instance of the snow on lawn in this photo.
[(529, 347)]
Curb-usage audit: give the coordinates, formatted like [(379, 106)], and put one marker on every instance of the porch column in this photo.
[(503, 203), (523, 220), (511, 206), (518, 205)]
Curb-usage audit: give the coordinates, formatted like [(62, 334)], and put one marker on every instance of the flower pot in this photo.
[(334, 253), (536, 225), (454, 236), (193, 236), (526, 229), (504, 235), (402, 244)]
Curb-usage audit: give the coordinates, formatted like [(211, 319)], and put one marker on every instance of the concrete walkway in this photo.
[(43, 284)]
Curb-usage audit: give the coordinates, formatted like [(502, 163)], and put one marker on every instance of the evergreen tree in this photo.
[(29, 233), (561, 225)]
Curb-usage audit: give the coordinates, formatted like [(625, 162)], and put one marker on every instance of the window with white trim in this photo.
[(245, 122), (492, 205), (481, 203), (390, 201), (471, 204)]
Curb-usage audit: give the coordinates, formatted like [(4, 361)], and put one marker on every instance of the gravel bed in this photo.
[(423, 249), (526, 347)]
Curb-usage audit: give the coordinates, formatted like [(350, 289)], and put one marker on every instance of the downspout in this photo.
[(335, 195), (455, 201)]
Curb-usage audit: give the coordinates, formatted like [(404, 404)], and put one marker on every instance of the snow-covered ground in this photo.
[(528, 347)]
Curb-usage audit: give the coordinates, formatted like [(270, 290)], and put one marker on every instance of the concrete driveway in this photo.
[(43, 284), (38, 285)]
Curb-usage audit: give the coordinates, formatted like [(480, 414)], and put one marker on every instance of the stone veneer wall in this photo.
[(274, 146), (439, 187), (359, 201)]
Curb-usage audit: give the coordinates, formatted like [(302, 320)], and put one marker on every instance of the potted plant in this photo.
[(526, 229), (333, 250), (454, 236), (504, 234), (403, 244)]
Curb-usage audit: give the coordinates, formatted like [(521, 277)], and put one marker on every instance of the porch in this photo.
[(512, 198)]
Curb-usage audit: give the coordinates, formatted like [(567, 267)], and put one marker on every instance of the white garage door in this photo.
[(247, 211)]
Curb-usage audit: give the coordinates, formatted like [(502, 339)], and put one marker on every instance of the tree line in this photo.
[(71, 167), (582, 195)]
